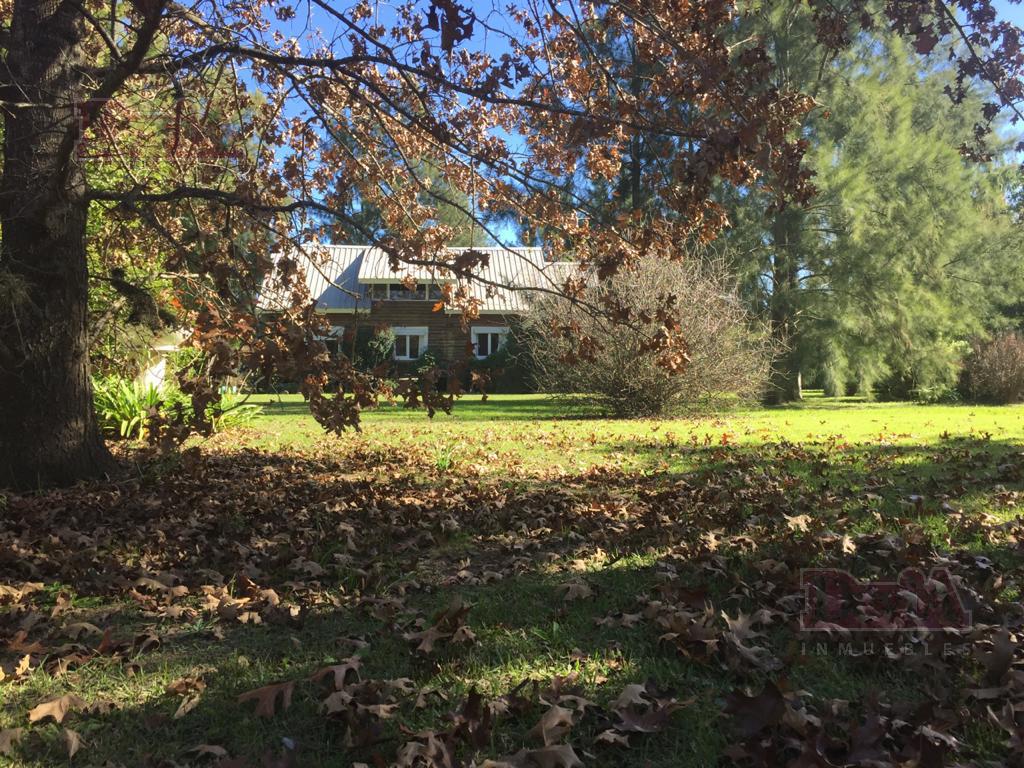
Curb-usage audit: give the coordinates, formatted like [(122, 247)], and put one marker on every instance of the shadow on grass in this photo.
[(524, 631), (522, 634), (470, 409), (433, 535)]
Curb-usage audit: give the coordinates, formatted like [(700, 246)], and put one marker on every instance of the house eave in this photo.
[(398, 278)]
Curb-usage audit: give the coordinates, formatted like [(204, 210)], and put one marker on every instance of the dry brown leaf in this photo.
[(79, 628), (24, 666), (612, 737), (187, 705), (186, 685), (72, 742), (553, 725), (266, 697), (632, 694), (561, 756), (798, 522), (340, 672), (19, 644), (56, 708), (208, 749), (576, 590)]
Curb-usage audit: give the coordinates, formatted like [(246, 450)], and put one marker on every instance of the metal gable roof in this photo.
[(375, 267), (337, 276), (331, 273)]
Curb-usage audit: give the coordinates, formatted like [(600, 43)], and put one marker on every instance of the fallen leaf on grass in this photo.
[(553, 725), (72, 742), (208, 749), (79, 628), (798, 522), (187, 705), (340, 672), (576, 590), (19, 644), (449, 624), (56, 708), (998, 660), (643, 709), (612, 737), (266, 697), (561, 756), (752, 714), (9, 737), (24, 666), (186, 685)]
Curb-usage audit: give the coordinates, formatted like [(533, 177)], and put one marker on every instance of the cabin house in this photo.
[(357, 289)]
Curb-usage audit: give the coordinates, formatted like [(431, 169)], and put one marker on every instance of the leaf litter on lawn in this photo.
[(252, 539)]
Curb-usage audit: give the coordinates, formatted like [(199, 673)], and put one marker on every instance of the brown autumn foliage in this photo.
[(208, 137), (994, 371)]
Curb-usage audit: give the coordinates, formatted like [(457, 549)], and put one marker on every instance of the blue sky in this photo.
[(491, 13), (1011, 11)]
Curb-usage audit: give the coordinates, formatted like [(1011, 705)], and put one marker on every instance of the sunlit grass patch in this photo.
[(573, 542)]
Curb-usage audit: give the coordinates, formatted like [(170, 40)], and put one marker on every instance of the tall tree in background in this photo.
[(454, 209), (864, 284), (909, 245), (917, 248)]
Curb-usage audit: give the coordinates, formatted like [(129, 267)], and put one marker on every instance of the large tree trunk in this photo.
[(48, 429)]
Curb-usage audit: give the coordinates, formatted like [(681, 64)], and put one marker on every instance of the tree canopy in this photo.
[(909, 247), (214, 135)]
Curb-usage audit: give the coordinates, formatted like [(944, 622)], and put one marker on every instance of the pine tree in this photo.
[(908, 248)]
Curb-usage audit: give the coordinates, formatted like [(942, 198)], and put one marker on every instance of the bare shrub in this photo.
[(995, 370), (606, 365)]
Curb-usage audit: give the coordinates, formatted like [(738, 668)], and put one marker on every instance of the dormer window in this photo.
[(400, 292)]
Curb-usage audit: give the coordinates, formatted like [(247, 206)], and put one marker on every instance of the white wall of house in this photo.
[(155, 371)]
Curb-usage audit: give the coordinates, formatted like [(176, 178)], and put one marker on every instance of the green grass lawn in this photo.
[(529, 431), (576, 542)]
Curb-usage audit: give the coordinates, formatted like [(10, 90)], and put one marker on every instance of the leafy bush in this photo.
[(927, 375), (617, 375), (508, 370), (426, 362), (125, 407), (373, 346), (995, 370), (233, 411), (937, 394)]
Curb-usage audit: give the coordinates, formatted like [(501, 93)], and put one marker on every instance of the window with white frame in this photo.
[(401, 292), (488, 340), (410, 343)]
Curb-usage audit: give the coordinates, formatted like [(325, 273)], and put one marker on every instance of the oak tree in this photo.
[(247, 100)]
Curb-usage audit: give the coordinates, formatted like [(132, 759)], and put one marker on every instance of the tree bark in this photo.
[(785, 384), (48, 429)]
